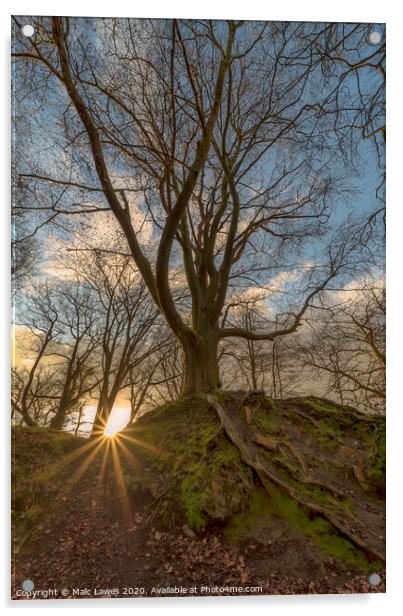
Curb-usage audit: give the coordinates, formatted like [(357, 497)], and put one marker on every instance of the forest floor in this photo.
[(94, 539)]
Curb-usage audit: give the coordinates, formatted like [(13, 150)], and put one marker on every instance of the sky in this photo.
[(39, 144)]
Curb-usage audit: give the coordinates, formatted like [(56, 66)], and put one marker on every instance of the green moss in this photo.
[(285, 462), (176, 430), (265, 421), (328, 443), (222, 396), (328, 429), (319, 530), (209, 478), (194, 501), (253, 521), (266, 509), (38, 462), (211, 483), (321, 406), (213, 486), (324, 498)]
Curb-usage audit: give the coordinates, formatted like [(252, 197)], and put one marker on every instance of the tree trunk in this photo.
[(27, 418), (59, 418), (103, 411), (201, 371)]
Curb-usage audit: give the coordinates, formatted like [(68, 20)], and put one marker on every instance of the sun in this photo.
[(118, 419), (110, 431)]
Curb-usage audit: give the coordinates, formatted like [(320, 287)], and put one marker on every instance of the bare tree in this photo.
[(271, 366), (77, 343), (141, 385), (23, 251), (218, 135), (169, 373), (250, 359), (60, 338), (126, 318), (31, 384), (24, 246), (347, 349)]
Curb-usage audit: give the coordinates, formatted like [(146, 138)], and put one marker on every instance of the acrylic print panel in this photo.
[(199, 308)]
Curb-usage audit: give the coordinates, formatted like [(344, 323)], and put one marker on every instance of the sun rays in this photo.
[(143, 444), (80, 470), (106, 460), (100, 467), (120, 480)]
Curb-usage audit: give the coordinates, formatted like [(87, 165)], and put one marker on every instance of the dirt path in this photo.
[(93, 538), (97, 541)]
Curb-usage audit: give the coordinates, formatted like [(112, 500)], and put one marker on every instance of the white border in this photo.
[(315, 10)]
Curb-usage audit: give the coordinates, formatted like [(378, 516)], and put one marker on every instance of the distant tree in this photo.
[(58, 371), (347, 349), (250, 359), (271, 366), (169, 373), (126, 317), (77, 343), (32, 387)]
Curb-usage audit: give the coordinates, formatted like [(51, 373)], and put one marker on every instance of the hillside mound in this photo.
[(256, 466), (229, 489)]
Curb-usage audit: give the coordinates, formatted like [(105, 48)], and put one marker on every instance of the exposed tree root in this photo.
[(361, 522), (316, 424)]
